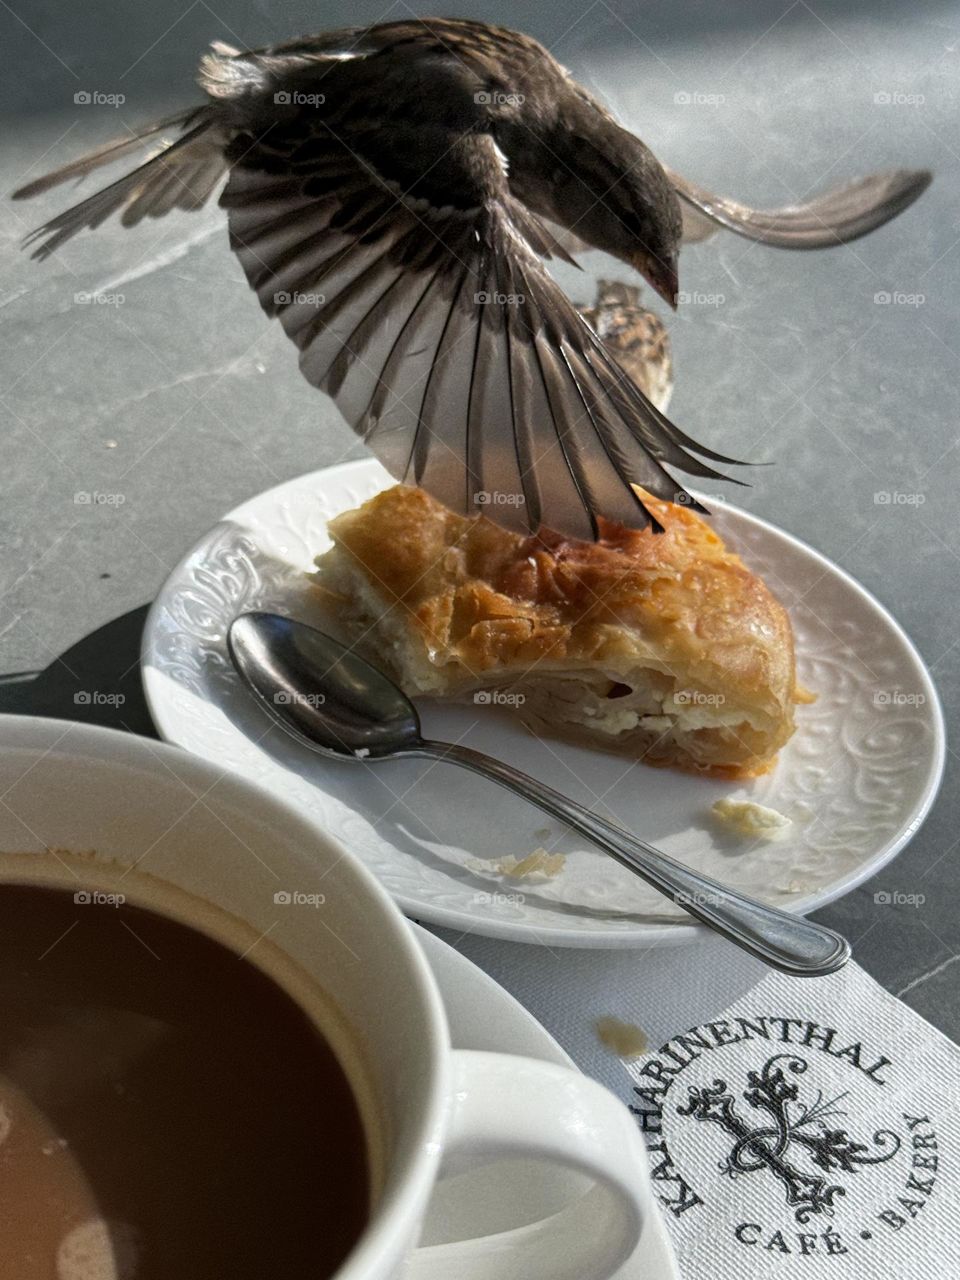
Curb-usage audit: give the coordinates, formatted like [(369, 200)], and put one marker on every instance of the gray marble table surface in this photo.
[(180, 400)]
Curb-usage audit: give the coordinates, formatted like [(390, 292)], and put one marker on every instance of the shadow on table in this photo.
[(83, 682)]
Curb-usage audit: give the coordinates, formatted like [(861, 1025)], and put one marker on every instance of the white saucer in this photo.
[(857, 778), (499, 1197)]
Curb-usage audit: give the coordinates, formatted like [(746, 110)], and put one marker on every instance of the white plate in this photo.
[(500, 1197), (857, 778)]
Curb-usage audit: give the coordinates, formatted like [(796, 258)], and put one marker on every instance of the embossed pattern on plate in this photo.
[(857, 778)]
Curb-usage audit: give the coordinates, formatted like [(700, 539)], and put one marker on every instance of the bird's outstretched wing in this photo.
[(410, 278), (412, 282), (836, 217)]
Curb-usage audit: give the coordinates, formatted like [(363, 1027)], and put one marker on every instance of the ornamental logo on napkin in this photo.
[(788, 1137)]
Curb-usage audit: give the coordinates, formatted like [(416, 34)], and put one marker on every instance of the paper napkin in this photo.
[(810, 1130)]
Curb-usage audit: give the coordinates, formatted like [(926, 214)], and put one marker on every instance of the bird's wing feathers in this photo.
[(105, 154), (411, 280), (439, 333), (181, 176), (696, 225), (836, 217)]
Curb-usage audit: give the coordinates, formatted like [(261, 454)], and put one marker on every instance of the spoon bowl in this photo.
[(323, 693)]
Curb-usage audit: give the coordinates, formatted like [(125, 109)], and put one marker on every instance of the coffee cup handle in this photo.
[(506, 1107)]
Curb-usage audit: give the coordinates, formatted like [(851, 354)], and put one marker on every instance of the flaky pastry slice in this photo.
[(663, 646)]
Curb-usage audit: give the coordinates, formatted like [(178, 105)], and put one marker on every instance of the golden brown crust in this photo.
[(486, 604)]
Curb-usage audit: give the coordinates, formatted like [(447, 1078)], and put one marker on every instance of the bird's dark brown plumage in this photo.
[(392, 193)]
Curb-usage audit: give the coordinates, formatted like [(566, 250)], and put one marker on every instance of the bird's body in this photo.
[(470, 110), (392, 193)]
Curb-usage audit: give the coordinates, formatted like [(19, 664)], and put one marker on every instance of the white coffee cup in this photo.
[(132, 806)]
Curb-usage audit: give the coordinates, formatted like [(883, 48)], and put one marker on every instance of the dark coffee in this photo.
[(166, 1109)]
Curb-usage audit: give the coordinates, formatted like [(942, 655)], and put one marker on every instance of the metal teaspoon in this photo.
[(335, 703)]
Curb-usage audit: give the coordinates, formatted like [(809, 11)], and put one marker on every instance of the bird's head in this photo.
[(657, 244)]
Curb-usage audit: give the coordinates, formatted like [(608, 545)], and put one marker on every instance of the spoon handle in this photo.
[(785, 941)]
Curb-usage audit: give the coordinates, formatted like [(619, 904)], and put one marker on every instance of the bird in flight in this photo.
[(392, 193)]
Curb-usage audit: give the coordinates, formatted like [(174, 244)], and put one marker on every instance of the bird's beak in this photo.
[(662, 274)]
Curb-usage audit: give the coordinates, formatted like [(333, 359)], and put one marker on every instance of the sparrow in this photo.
[(637, 338), (393, 193)]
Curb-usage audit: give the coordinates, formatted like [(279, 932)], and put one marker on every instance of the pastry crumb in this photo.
[(538, 865), (750, 819), (625, 1039)]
